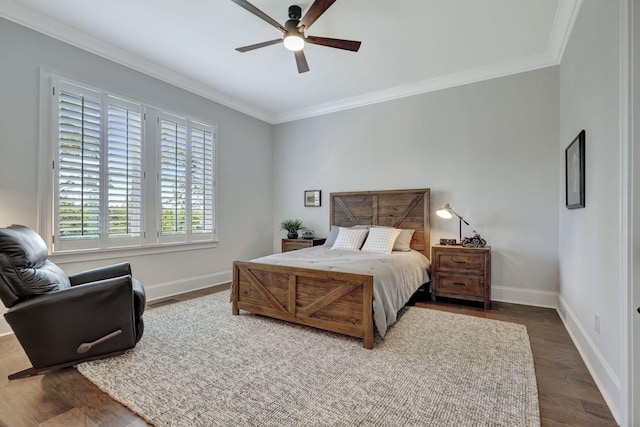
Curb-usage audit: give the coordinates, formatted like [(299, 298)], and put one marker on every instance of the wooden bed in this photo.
[(330, 300)]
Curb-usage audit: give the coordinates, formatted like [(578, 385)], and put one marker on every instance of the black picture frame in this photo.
[(313, 198), (574, 166)]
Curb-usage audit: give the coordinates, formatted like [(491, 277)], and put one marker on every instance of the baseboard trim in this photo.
[(164, 290), (176, 287), (606, 380), (531, 297)]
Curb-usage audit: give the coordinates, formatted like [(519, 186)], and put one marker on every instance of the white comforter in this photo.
[(395, 277)]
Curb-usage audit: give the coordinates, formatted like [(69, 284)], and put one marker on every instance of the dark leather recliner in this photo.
[(63, 320)]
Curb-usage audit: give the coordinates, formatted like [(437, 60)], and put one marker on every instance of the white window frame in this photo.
[(150, 241)]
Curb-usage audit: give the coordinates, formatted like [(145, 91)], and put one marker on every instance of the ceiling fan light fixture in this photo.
[(293, 42), (294, 31)]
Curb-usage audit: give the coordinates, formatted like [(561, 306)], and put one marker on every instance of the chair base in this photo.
[(29, 372)]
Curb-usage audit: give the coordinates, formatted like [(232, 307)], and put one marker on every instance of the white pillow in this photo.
[(381, 240), (350, 239)]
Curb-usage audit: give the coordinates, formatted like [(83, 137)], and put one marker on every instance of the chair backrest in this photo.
[(25, 270)]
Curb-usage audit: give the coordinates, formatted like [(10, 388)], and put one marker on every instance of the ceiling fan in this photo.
[(294, 31)]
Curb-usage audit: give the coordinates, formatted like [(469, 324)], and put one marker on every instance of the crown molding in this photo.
[(565, 18), (46, 25), (438, 83), (566, 15)]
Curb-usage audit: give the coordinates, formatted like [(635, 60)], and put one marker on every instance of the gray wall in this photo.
[(590, 239), (489, 149), (494, 150), (244, 187)]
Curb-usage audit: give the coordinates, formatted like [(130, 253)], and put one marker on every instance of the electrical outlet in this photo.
[(597, 323)]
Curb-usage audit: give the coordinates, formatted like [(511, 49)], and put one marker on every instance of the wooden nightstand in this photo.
[(295, 244), (462, 273)]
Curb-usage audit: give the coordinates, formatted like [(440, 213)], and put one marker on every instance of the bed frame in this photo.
[(330, 300)]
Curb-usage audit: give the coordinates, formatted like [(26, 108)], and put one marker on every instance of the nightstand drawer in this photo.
[(461, 262), (294, 246), (460, 284)]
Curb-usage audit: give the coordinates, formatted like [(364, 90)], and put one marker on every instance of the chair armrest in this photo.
[(139, 296), (101, 273), (50, 327), (139, 302)]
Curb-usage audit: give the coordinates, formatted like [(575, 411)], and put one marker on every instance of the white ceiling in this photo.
[(408, 46)]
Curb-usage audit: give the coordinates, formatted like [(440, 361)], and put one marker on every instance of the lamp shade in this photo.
[(445, 212), (448, 213)]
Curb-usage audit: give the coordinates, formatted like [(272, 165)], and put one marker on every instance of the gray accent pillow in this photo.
[(333, 235), (403, 242)]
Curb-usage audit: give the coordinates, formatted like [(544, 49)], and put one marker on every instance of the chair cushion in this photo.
[(24, 265)]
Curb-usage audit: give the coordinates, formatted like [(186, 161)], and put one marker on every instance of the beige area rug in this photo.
[(197, 365)]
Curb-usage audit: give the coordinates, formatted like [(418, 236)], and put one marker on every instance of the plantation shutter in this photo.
[(104, 148), (202, 148), (124, 172), (78, 166), (173, 177)]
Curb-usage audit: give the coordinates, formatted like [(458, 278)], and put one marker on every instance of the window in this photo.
[(79, 155), (105, 146), (124, 171), (186, 179)]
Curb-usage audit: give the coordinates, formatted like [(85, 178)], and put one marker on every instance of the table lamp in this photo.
[(447, 213)]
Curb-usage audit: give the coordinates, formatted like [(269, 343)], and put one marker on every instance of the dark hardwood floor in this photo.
[(568, 395)]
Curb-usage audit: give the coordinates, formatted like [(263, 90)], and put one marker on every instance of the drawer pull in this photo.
[(460, 262), (459, 284)]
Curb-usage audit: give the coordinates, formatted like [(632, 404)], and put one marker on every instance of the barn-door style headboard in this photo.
[(408, 209)]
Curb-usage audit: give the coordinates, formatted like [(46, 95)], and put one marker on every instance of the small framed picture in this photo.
[(312, 198), (574, 172)]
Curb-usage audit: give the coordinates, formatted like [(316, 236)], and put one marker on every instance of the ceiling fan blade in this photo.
[(258, 45), (260, 14), (317, 8), (301, 61), (337, 43)]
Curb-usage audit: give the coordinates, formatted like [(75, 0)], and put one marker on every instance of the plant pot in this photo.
[(292, 235)]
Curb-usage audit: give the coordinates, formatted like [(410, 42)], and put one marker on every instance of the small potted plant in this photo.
[(292, 226)]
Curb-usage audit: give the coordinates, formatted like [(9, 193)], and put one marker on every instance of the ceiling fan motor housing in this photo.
[(292, 26), (295, 12)]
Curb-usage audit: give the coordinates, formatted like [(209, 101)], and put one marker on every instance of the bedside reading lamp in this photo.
[(447, 213)]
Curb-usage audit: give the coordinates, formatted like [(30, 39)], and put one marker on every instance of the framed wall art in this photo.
[(312, 198), (574, 172)]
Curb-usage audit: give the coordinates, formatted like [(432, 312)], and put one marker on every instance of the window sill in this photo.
[(100, 254)]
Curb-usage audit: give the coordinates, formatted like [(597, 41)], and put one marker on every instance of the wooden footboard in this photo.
[(328, 300)]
